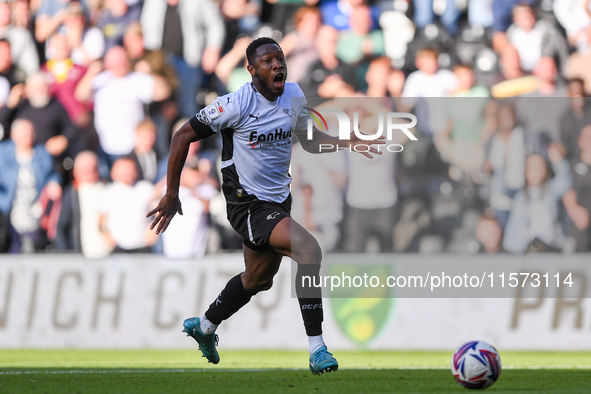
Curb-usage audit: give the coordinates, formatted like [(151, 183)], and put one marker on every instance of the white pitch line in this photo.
[(108, 371), (112, 371)]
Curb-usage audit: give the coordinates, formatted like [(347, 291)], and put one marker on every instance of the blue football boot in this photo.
[(207, 343), (322, 361)]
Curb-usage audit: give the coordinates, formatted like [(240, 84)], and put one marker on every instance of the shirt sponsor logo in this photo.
[(270, 140), (277, 135)]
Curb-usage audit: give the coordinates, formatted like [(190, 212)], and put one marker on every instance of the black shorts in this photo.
[(254, 220)]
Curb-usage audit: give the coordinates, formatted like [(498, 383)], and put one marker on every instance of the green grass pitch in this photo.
[(153, 371)]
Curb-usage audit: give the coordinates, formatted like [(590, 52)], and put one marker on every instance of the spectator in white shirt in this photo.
[(534, 39), (429, 81), (119, 100), (187, 235), (123, 220), (573, 16), (23, 51), (191, 33)]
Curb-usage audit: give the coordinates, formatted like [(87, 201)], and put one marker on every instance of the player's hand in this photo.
[(356, 141), (165, 211)]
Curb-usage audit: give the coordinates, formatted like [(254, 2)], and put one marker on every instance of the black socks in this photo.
[(235, 296), (231, 299), (310, 298)]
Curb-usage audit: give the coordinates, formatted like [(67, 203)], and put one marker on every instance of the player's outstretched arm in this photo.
[(170, 204)]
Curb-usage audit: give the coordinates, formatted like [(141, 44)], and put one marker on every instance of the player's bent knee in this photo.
[(259, 286), (311, 252)]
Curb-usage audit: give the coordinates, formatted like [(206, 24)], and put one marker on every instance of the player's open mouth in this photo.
[(279, 80)]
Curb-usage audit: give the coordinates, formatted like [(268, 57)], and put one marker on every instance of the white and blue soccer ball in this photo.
[(476, 365)]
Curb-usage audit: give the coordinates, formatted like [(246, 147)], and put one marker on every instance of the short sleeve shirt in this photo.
[(257, 137)]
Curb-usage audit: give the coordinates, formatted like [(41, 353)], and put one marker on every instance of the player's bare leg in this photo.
[(291, 239), (261, 267)]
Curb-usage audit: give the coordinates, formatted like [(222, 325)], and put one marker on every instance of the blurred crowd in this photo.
[(91, 92)]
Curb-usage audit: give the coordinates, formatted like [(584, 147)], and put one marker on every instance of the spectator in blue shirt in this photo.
[(25, 170)]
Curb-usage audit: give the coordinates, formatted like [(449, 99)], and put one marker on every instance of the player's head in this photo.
[(266, 65)]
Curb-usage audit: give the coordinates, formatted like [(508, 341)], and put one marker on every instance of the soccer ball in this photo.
[(476, 365)]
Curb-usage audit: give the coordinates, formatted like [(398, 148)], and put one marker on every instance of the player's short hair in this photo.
[(253, 46)]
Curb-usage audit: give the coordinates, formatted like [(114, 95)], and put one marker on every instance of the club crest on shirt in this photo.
[(215, 109), (289, 112)]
